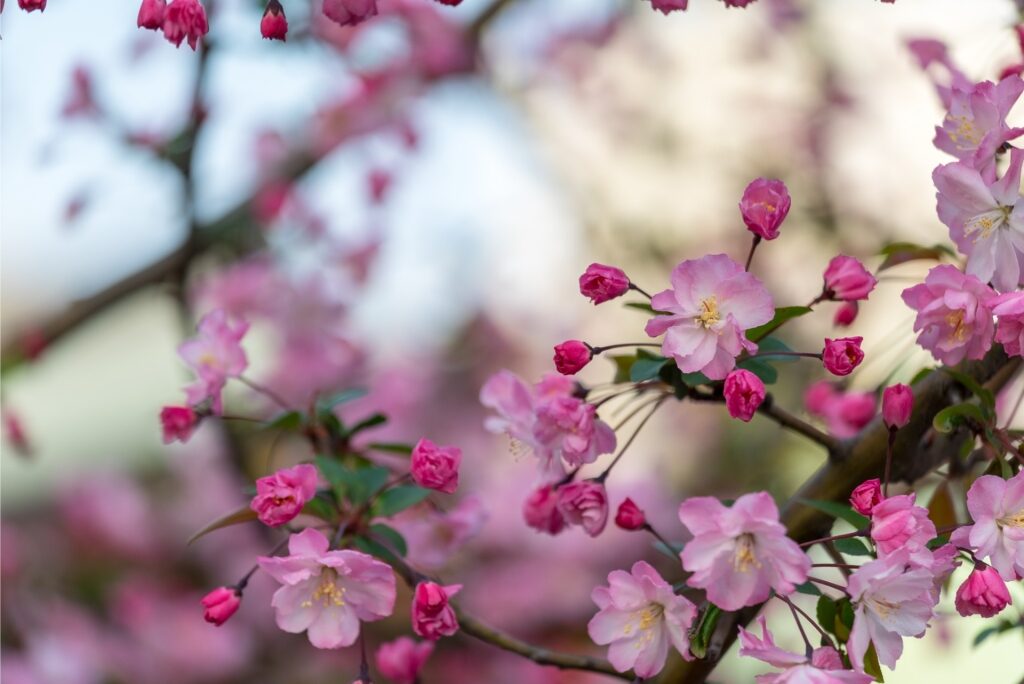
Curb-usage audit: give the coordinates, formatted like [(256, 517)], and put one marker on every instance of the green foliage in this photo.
[(398, 499)]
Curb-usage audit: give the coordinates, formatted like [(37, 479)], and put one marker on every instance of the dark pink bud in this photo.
[(450, 3), (178, 423), (221, 604), (274, 25), (764, 206), (983, 593), (744, 392), (185, 19), (436, 467), (866, 496), (32, 5), (571, 357), (600, 283), (151, 14), (584, 504), (846, 314), (842, 355), (897, 403), (847, 279), (540, 511), (432, 616), (666, 6), (629, 516)]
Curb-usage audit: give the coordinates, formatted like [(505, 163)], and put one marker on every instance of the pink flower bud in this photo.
[(666, 6), (764, 206), (983, 593), (744, 392), (540, 511), (897, 403), (185, 19), (846, 314), (178, 423), (349, 12), (436, 467), (281, 496), (842, 355), (32, 5), (151, 14), (571, 357), (629, 516), (847, 279), (866, 496), (432, 617), (600, 283), (274, 25), (221, 604), (402, 659), (585, 504)]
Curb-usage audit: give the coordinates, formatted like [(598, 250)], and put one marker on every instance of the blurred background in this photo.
[(406, 207)]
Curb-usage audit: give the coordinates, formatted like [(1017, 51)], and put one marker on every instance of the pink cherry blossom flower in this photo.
[(744, 393), (630, 516), (274, 25), (898, 525), (666, 6), (402, 659), (897, 405), (866, 496), (327, 593), (541, 512), (890, 602), (953, 315), (584, 503), (975, 125), (713, 301), (1009, 311), (846, 314), (435, 467), (349, 12), (985, 219), (548, 419), (601, 283), (220, 604), (281, 496), (846, 279), (983, 593), (432, 615), (997, 535), (845, 413), (740, 553), (842, 355), (151, 14), (823, 667), (764, 206), (214, 355), (571, 357), (639, 617), (185, 19), (178, 423)]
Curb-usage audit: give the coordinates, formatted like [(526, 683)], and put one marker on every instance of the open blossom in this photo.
[(842, 355), (178, 423), (897, 405), (436, 467), (744, 393), (327, 593), (997, 535), (600, 283), (151, 14), (571, 357), (215, 355), (220, 604), (975, 125), (890, 602), (630, 516), (185, 19), (281, 496), (845, 413), (713, 301), (823, 667), (274, 25), (541, 512), (983, 593), (402, 659), (548, 419), (640, 616), (584, 503), (1009, 311), (432, 615), (740, 553), (899, 525), (985, 219), (953, 315), (764, 206), (349, 12), (846, 279), (866, 496)]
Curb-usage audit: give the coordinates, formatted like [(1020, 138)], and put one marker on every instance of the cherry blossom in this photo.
[(997, 535), (953, 315), (823, 666), (435, 467), (281, 496), (214, 355), (983, 593)]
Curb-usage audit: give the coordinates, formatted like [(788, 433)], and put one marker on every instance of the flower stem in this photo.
[(750, 255), (888, 461), (265, 391), (657, 404), (855, 533), (633, 286)]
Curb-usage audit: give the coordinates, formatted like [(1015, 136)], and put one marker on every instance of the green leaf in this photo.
[(871, 666), (826, 612), (941, 540), (838, 510), (902, 252), (290, 421), (321, 506), (921, 375), (844, 619), (354, 484), (237, 517), (367, 423), (328, 403), (763, 370), (644, 369), (694, 379), (623, 364), (640, 306), (672, 551), (773, 344), (398, 499), (705, 628), (808, 588), (375, 549), (391, 447), (391, 537), (852, 547), (949, 418), (782, 314)]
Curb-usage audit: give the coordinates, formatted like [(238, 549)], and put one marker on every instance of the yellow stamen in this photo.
[(743, 556), (328, 591), (708, 313), (1015, 519)]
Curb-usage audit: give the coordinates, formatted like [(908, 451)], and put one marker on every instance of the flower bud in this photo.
[(32, 5), (571, 357), (629, 516), (280, 497), (402, 659), (842, 355), (764, 206), (744, 392), (540, 511), (866, 496), (601, 283), (847, 279), (151, 14), (221, 604), (274, 25), (846, 314), (436, 467), (185, 19), (178, 423), (983, 593), (897, 403), (585, 504), (432, 616)]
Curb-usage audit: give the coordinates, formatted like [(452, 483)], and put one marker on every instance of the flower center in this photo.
[(328, 592), (1015, 519), (708, 315), (955, 320), (882, 607), (982, 225), (965, 135), (743, 555)]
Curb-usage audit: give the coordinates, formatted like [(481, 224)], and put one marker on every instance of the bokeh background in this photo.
[(583, 131)]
